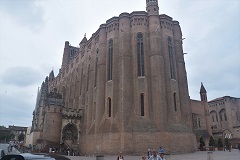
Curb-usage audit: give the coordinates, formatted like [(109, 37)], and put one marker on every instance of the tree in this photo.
[(211, 141), (202, 143), (5, 134), (21, 137), (220, 143)]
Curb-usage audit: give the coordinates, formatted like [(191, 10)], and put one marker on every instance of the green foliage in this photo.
[(220, 143), (211, 141), (5, 134), (21, 137), (202, 143), (2, 127)]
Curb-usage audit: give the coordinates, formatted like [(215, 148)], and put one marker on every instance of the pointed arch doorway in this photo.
[(70, 135)]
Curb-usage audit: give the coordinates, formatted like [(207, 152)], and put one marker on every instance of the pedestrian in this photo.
[(120, 157), (9, 149), (160, 150), (230, 148), (149, 153), (154, 156), (162, 156), (68, 153)]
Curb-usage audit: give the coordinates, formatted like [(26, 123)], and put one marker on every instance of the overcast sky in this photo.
[(33, 32)]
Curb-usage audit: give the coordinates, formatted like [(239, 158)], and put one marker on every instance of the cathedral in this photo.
[(124, 89)]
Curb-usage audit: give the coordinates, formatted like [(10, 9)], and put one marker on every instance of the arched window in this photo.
[(142, 104), (109, 107), (70, 132), (225, 116), (170, 51), (199, 122), (222, 114), (175, 101), (140, 55), (214, 114), (110, 59)]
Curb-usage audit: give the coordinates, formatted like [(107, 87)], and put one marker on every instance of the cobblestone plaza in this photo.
[(200, 155)]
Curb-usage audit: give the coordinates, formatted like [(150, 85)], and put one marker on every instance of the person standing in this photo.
[(160, 150), (154, 156), (120, 157), (149, 153), (162, 156)]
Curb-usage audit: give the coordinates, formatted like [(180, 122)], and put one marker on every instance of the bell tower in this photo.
[(152, 7)]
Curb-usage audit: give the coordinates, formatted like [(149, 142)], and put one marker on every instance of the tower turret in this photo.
[(65, 55), (152, 7), (83, 42), (52, 119), (203, 93), (51, 76)]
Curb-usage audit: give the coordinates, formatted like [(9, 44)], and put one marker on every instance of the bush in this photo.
[(211, 141)]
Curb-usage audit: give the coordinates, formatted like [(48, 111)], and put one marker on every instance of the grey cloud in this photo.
[(21, 76), (15, 110), (25, 12)]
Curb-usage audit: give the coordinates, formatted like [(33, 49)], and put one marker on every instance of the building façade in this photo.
[(124, 89)]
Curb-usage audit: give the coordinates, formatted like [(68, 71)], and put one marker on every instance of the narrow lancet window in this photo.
[(81, 79), (96, 63), (110, 59), (88, 76), (140, 55), (170, 51), (109, 107), (142, 104), (175, 101)]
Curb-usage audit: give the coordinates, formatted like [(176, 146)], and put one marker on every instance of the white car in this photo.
[(28, 156), (2, 153)]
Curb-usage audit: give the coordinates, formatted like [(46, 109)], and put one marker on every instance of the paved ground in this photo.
[(201, 155)]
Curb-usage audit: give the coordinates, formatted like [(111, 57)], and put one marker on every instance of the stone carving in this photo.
[(54, 94)]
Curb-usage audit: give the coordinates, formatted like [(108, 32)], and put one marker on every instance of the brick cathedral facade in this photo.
[(124, 89)]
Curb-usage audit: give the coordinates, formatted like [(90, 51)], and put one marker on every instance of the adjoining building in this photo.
[(219, 118), (17, 131), (201, 117), (124, 89), (225, 118)]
